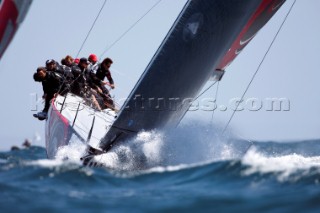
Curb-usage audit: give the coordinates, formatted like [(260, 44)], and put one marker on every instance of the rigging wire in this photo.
[(108, 48), (205, 91), (215, 100), (83, 43), (88, 34), (258, 69), (130, 28)]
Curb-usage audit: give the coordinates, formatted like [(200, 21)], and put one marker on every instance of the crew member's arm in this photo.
[(108, 75)]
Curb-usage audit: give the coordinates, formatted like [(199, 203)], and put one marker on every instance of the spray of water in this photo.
[(192, 145), (186, 145)]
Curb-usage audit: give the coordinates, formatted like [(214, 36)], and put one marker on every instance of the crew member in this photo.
[(93, 59), (51, 83), (65, 70), (69, 61), (85, 82), (103, 71), (52, 65)]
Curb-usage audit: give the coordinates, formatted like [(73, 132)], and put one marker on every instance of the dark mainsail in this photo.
[(205, 38)]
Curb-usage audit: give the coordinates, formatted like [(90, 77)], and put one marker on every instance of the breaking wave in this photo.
[(189, 144), (192, 146)]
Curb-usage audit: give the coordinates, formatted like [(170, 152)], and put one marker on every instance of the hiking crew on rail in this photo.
[(84, 78)]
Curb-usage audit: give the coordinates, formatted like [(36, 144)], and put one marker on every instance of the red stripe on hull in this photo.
[(57, 131), (263, 14)]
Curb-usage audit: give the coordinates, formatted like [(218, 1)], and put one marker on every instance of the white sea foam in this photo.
[(163, 169), (67, 157), (285, 165), (3, 161), (182, 148), (157, 151), (72, 152), (45, 163), (77, 194), (187, 145), (142, 151)]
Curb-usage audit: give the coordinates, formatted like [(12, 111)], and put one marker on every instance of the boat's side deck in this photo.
[(87, 122)]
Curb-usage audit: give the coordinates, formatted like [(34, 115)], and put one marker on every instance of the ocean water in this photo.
[(181, 171)]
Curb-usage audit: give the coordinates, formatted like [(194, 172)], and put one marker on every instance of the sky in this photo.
[(53, 29)]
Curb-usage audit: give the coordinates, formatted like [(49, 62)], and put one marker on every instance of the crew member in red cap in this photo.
[(93, 59)]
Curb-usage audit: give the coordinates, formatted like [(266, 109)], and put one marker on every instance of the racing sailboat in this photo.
[(204, 40)]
